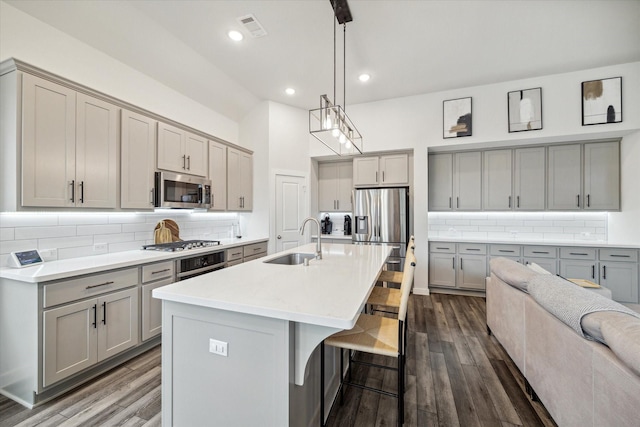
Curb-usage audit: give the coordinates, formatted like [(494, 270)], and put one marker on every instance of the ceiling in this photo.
[(408, 47)]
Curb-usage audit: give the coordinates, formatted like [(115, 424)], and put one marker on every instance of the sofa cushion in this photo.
[(621, 333), (513, 273)]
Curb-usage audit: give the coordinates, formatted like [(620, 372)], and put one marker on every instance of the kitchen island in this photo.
[(237, 342)]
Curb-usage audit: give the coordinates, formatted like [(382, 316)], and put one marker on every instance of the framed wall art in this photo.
[(456, 115), (602, 101), (525, 110)]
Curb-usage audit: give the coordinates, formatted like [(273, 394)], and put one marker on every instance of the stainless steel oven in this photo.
[(200, 264)]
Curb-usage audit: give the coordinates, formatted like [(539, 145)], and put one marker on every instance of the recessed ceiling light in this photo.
[(235, 35), (290, 91), (364, 77)]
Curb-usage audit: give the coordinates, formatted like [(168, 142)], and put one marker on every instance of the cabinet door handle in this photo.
[(184, 161), (604, 271), (104, 313), (337, 204), (517, 201), (500, 250), (540, 252), (453, 262), (461, 264), (449, 202), (441, 248), (578, 201), (152, 201), (101, 284), (509, 201), (472, 249), (95, 316), (160, 271), (593, 271), (619, 256), (588, 200), (189, 162), (73, 190), (457, 202), (382, 176), (376, 177), (578, 253), (81, 191)]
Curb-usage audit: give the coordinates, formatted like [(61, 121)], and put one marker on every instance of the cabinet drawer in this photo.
[(157, 271), (234, 254), (254, 249), (540, 252), (83, 287), (472, 248), (256, 256), (618, 255), (505, 250), (578, 253), (234, 262), (447, 248)]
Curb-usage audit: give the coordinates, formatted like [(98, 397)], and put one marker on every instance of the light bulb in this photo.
[(335, 132), (348, 144), (327, 122), (342, 139), (235, 35)]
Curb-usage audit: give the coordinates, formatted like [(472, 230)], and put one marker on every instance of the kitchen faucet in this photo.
[(319, 242)]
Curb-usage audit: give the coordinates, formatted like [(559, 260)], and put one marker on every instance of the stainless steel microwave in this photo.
[(174, 190)]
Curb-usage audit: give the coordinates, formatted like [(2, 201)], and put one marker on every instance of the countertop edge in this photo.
[(564, 243)]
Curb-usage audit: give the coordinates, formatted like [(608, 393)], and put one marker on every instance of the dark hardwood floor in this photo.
[(457, 375)]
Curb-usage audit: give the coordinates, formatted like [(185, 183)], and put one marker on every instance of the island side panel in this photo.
[(250, 386)]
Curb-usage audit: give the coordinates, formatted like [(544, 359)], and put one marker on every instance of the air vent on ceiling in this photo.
[(252, 25)]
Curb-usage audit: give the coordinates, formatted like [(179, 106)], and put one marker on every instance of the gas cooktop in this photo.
[(181, 246)]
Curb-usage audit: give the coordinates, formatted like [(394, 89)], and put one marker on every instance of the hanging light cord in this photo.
[(344, 67), (334, 53)]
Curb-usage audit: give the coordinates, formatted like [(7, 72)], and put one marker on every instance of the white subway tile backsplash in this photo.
[(7, 234), (74, 234), (83, 219), (566, 226), (65, 242), (44, 232), (84, 230)]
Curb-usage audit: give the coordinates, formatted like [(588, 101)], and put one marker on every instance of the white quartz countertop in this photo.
[(62, 269), (328, 292), (580, 243), (340, 235)]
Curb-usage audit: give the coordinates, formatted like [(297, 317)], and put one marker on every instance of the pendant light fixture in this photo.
[(330, 124)]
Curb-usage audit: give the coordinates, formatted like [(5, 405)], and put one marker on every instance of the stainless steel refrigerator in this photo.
[(381, 215)]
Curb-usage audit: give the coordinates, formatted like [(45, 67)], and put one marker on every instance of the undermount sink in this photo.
[(291, 259)]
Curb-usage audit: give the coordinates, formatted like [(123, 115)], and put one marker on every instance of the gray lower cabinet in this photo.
[(154, 276), (78, 335), (465, 266), (459, 266), (619, 272)]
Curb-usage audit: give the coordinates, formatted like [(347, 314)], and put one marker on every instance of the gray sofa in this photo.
[(581, 382)]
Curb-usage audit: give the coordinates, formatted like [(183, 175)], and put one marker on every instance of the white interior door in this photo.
[(290, 211)]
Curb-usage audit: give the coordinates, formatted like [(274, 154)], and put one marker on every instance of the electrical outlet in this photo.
[(100, 248), (49, 254), (218, 347)]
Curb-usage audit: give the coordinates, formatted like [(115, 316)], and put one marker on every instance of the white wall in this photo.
[(32, 41), (624, 226)]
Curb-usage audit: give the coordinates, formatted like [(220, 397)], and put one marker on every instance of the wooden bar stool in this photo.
[(390, 297), (376, 335)]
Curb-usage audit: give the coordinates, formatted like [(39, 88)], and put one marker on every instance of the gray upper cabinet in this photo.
[(565, 177), (137, 160), (496, 180), (467, 181), (440, 182), (335, 183), (455, 181), (529, 178), (69, 144), (602, 176), (584, 176)]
